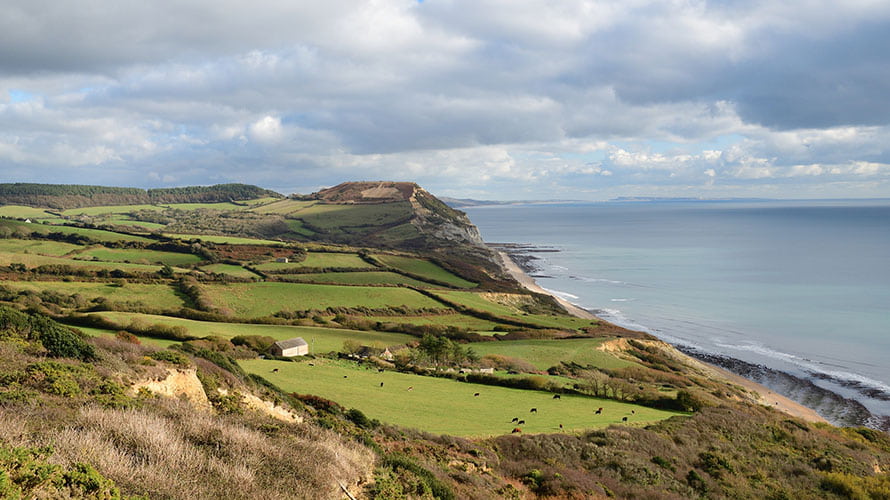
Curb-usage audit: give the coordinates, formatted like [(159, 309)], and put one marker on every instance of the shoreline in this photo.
[(765, 396)]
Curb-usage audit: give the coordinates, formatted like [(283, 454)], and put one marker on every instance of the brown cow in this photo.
[(516, 429)]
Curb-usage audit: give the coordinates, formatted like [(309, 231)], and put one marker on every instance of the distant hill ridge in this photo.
[(65, 196)]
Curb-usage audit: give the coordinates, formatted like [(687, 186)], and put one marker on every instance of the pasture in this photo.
[(282, 207), (321, 340), (231, 240), (230, 269), (94, 234), (319, 260), (331, 217), (31, 261), (444, 406), (98, 332), (358, 278), (480, 302), (156, 296), (23, 212), (546, 353), (137, 256), (40, 247), (111, 209), (255, 300), (471, 323), (424, 269), (224, 206)]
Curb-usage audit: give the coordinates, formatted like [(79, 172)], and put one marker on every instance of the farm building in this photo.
[(282, 260), (291, 347)]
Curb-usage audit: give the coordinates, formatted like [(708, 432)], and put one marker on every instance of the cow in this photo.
[(521, 422), (599, 411), (345, 376), (476, 395), (560, 426), (624, 419), (557, 396), (311, 364), (381, 384), (411, 388), (274, 370), (380, 370), (515, 419), (533, 410), (516, 430), (633, 412)]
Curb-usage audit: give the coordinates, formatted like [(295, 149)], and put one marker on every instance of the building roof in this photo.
[(290, 343)]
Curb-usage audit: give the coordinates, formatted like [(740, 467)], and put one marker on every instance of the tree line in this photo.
[(65, 196)]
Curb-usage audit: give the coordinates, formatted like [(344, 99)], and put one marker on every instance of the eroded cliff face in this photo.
[(435, 218)]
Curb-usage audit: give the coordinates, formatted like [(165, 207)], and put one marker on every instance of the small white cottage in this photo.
[(290, 348)]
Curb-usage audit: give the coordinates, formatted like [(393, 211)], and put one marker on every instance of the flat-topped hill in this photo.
[(368, 192)]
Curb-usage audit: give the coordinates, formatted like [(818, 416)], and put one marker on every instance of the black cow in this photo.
[(533, 410)]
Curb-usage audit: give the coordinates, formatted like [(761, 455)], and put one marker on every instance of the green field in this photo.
[(459, 320), (425, 269), (31, 261), (232, 240), (226, 206), (98, 332), (157, 296), (263, 299), (480, 303), (546, 353), (282, 207), (95, 234), (141, 256), (330, 217), (321, 340), (358, 278), (41, 247), (444, 406), (22, 212), (111, 209), (320, 260), (230, 269)]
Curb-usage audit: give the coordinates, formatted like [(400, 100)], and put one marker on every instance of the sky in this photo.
[(486, 99)]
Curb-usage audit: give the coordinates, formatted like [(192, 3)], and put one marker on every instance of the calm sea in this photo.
[(802, 287)]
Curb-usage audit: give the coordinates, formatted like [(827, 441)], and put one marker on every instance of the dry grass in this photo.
[(173, 451)]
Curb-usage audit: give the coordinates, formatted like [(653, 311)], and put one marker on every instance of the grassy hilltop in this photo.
[(134, 336)]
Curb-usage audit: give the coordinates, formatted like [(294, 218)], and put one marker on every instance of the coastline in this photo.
[(765, 396)]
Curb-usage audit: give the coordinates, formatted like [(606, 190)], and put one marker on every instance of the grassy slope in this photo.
[(546, 353), (359, 278), (229, 269), (459, 320), (320, 260), (95, 234), (23, 212), (263, 299), (159, 296), (141, 256), (41, 247), (424, 268), (321, 340), (31, 261), (442, 405), (233, 240), (477, 301)]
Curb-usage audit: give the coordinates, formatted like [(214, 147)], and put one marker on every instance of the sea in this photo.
[(792, 294)]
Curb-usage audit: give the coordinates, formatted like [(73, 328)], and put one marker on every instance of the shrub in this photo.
[(358, 418), (177, 358)]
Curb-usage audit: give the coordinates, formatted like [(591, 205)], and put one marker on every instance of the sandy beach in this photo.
[(766, 396)]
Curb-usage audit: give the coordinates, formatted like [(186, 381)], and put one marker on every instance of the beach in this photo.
[(764, 395)]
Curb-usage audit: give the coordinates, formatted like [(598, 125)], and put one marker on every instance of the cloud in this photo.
[(521, 95)]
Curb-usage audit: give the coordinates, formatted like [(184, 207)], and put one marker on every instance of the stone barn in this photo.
[(289, 348)]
